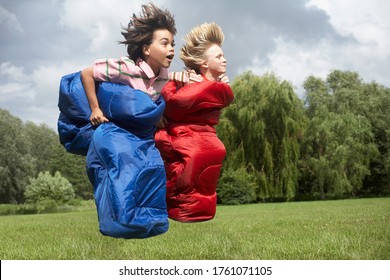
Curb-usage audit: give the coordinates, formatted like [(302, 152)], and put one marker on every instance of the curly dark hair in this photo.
[(140, 29)]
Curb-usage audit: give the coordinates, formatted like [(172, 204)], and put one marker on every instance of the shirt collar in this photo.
[(149, 72)]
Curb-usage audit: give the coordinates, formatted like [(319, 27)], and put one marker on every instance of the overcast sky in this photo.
[(42, 40)]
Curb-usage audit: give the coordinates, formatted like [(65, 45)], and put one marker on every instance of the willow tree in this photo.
[(261, 130)]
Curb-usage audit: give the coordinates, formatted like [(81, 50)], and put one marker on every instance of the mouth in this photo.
[(170, 57)]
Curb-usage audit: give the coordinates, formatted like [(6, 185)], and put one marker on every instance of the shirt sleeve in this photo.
[(180, 78)]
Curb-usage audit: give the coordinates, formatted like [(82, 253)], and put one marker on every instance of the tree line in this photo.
[(333, 144), (26, 150)]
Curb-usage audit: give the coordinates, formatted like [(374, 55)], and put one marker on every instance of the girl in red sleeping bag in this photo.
[(187, 138)]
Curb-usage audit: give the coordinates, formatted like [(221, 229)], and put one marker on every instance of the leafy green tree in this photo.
[(338, 150), (317, 96), (42, 141), (371, 101), (377, 104), (16, 163), (261, 131), (28, 149), (339, 143)]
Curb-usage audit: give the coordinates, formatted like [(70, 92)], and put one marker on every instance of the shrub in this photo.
[(46, 205), (236, 187), (49, 191), (24, 209)]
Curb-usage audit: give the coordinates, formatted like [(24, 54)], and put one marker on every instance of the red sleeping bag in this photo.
[(190, 148)]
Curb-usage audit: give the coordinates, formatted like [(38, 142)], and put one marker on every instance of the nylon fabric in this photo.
[(123, 163), (191, 150), (74, 128)]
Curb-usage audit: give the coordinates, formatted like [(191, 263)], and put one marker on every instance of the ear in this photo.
[(146, 50), (204, 64)]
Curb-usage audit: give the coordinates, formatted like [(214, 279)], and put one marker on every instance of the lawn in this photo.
[(354, 229)]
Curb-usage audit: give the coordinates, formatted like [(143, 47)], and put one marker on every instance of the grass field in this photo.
[(356, 229)]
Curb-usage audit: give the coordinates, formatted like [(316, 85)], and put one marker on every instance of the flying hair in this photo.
[(140, 30), (197, 42)]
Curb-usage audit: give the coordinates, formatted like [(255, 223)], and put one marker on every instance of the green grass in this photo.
[(356, 229)]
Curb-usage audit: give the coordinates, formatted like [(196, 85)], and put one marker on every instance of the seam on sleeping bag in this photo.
[(107, 195)]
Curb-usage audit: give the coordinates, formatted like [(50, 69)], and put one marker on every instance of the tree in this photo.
[(16, 163), (42, 140), (261, 131), (339, 143), (28, 149), (376, 109), (338, 149), (51, 156)]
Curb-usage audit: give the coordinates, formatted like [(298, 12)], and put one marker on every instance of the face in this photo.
[(160, 52), (215, 61)]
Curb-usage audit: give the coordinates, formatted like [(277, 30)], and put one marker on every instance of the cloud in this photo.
[(10, 20), (11, 72), (369, 24), (355, 42), (43, 40), (289, 61), (32, 96), (101, 26), (15, 84), (367, 21)]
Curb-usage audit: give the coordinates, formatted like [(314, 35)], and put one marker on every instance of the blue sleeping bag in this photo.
[(123, 164), (74, 127)]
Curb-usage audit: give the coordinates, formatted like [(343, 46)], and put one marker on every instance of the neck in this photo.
[(208, 75), (155, 69)]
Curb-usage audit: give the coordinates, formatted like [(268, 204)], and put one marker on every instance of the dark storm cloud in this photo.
[(43, 40), (251, 27)]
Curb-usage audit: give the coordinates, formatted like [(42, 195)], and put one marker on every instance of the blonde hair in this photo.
[(198, 41)]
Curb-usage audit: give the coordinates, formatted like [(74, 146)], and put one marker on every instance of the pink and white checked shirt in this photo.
[(138, 75)]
